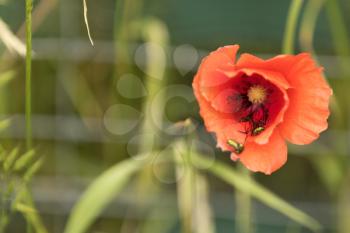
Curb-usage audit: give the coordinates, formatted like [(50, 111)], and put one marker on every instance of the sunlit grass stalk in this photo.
[(185, 188), (244, 215), (203, 214), (291, 25), (192, 187), (28, 85)]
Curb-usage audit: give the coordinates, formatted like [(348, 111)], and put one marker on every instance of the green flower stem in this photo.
[(28, 94), (291, 24), (28, 87)]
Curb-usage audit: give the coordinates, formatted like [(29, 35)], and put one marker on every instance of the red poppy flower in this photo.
[(253, 106)]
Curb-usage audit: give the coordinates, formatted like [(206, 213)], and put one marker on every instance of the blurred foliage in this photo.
[(74, 85), (16, 173)]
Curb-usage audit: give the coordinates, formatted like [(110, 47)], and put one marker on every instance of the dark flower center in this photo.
[(256, 103)]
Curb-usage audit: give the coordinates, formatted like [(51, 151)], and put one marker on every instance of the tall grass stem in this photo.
[(28, 84)]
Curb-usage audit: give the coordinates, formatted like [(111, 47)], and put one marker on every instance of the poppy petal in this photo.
[(265, 158), (223, 125), (216, 59), (308, 111), (309, 95), (280, 63), (212, 79)]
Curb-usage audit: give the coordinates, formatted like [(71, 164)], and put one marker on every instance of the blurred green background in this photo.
[(92, 108)]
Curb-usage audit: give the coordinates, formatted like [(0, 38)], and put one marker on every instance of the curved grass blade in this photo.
[(100, 193), (229, 175), (291, 25), (33, 169)]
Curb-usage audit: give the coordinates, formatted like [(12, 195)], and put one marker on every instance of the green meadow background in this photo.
[(111, 139)]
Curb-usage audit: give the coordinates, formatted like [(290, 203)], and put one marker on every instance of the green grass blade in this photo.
[(291, 25), (25, 205), (229, 175), (33, 169), (24, 160), (99, 194), (10, 159), (28, 82)]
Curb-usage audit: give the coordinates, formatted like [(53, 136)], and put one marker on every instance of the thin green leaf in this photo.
[(291, 25), (240, 182), (100, 193), (23, 208), (33, 169), (10, 159), (24, 160), (29, 212), (28, 82)]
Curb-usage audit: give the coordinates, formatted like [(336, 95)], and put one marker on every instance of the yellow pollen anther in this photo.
[(257, 94)]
